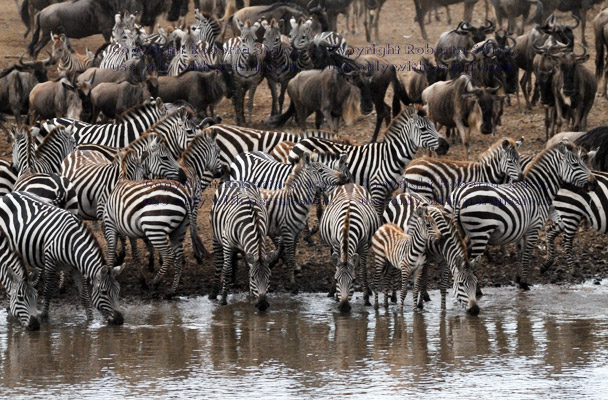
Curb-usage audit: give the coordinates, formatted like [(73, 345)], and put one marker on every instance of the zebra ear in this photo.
[(519, 143), (506, 144), (144, 155), (305, 160), (265, 25), (562, 147), (421, 211), (293, 23), (239, 23), (343, 160), (116, 271), (212, 136), (335, 258)]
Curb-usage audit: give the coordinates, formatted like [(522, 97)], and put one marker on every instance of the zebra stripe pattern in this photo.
[(48, 237), (501, 214), (436, 178), (406, 252), (239, 221), (378, 166), (450, 252), (300, 38), (333, 41), (8, 177), (68, 61), (55, 189), (23, 298), (347, 227)]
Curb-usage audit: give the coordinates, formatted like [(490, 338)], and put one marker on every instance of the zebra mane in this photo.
[(50, 137), (295, 174), (258, 228), (540, 156), (492, 149), (394, 128), (345, 230), (188, 110), (133, 110), (125, 159)]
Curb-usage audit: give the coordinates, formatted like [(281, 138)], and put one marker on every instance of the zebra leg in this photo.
[(552, 233), (218, 252), (83, 289), (363, 274), (50, 282), (405, 276), (289, 241), (111, 234), (252, 90), (160, 243), (443, 282), (529, 243), (282, 96), (120, 257), (272, 85), (568, 244), (419, 283), (226, 272), (177, 241)]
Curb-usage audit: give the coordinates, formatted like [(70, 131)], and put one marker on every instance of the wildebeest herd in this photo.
[(127, 135)]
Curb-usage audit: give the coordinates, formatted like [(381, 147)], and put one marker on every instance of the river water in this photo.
[(547, 343)]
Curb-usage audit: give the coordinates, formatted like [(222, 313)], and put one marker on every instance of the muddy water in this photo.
[(550, 342)]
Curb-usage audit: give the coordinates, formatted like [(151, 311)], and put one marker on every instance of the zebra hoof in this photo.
[(393, 298), (367, 303), (426, 297), (224, 301), (213, 295), (545, 267), (524, 285)]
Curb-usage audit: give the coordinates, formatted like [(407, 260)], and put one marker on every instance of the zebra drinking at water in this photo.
[(239, 220), (347, 227), (501, 214)]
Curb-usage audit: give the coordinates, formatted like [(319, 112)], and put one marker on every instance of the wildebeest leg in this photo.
[(318, 120), (282, 96), (447, 12), (383, 113), (238, 101), (525, 83), (331, 121), (272, 85), (420, 17), (301, 115), (463, 138)]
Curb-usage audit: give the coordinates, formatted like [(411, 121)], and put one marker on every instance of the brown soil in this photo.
[(397, 29)]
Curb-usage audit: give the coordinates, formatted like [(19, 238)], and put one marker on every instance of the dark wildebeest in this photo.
[(424, 6), (511, 9), (600, 29), (459, 104), (330, 93), (16, 83), (143, 66), (462, 38), (420, 78), (201, 89), (31, 7), (574, 88), (495, 62), (113, 98), (82, 18), (595, 139), (56, 99), (578, 8)]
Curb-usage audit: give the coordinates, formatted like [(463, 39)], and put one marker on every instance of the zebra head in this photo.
[(454, 250), (506, 156), (23, 299), (134, 166), (104, 294), (413, 126), (259, 279), (203, 154), (202, 28), (161, 164), (248, 47), (272, 35), (61, 47), (300, 36), (573, 168), (324, 177), (346, 268)]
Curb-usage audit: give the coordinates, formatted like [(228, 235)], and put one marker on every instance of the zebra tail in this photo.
[(35, 36), (399, 94), (278, 121), (25, 16)]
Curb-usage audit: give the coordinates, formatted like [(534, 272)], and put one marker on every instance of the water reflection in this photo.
[(304, 346)]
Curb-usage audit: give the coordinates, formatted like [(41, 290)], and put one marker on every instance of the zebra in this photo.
[(280, 68), (55, 189), (300, 38), (128, 127), (451, 250), (501, 214), (123, 46), (49, 238), (244, 54), (48, 156), (234, 140), (436, 178), (8, 177), (378, 166), (280, 152), (333, 42), (288, 206), (393, 248), (94, 177), (22, 297), (239, 222), (573, 206), (208, 27), (347, 227), (193, 54), (68, 60)]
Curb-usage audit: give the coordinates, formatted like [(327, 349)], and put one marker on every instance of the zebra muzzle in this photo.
[(116, 318), (344, 306), (262, 303), (33, 324)]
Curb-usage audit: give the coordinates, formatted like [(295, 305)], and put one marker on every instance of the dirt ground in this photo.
[(397, 28)]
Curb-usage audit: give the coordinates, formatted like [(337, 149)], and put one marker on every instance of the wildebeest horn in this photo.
[(578, 21), (463, 27), (540, 49), (488, 28), (25, 63), (49, 60), (580, 55), (310, 5), (512, 39)]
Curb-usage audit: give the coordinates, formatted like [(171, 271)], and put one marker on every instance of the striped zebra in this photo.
[(288, 206), (123, 46), (239, 222), (333, 42), (68, 60), (515, 213), (50, 238), (300, 38), (573, 206), (394, 249), (208, 27), (128, 127), (193, 53), (234, 140), (49, 155), (245, 56), (55, 189), (436, 178), (280, 68), (280, 152), (94, 177), (379, 166), (450, 252), (347, 227), (8, 177), (22, 297)]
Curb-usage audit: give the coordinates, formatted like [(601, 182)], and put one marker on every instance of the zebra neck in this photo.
[(543, 180), (488, 170)]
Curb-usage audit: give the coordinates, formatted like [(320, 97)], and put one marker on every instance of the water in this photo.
[(550, 342)]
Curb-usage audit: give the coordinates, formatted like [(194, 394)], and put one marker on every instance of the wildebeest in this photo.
[(58, 98), (600, 29), (16, 83), (331, 93), (82, 18), (574, 88), (420, 78), (494, 63), (200, 89), (511, 9), (113, 98), (578, 8), (129, 70), (462, 38), (424, 6), (31, 7), (459, 104)]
